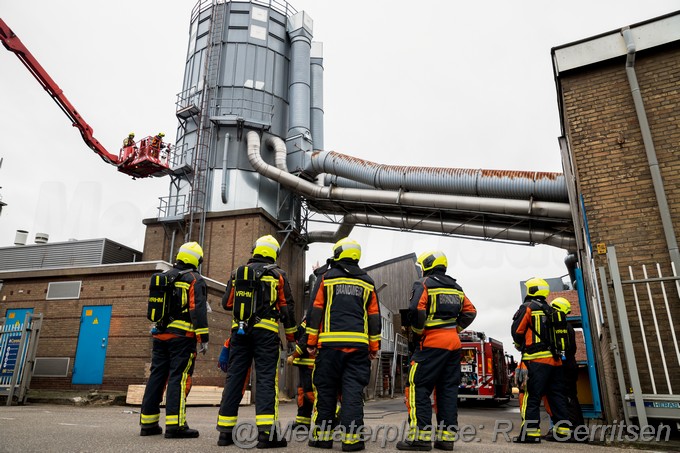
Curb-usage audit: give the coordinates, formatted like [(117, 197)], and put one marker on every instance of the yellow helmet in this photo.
[(562, 304), (267, 246), (430, 260), (190, 253), (131, 134), (161, 134), (346, 248), (537, 287)]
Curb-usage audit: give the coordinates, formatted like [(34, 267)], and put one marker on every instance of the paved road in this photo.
[(58, 428)]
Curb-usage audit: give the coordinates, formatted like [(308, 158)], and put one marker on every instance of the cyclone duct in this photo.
[(512, 219), (479, 183)]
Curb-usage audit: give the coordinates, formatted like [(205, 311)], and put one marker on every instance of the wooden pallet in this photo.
[(200, 395)]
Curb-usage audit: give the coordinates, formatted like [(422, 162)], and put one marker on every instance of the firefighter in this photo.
[(129, 140), (174, 350), (258, 340), (570, 367), (157, 144), (301, 359), (439, 309), (544, 375), (343, 330)]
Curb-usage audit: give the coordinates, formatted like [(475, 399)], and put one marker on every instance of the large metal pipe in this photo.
[(475, 229), (298, 88), (545, 186), (657, 180), (508, 207), (280, 152), (373, 196), (344, 230), (316, 111)]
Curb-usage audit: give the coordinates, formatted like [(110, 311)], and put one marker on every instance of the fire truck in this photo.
[(485, 369), (148, 157)]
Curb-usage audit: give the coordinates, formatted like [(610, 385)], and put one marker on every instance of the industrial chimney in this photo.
[(41, 238), (21, 237)]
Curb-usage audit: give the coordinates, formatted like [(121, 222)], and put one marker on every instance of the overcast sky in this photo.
[(433, 83)]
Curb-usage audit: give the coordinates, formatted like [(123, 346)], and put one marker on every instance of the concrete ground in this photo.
[(91, 423)]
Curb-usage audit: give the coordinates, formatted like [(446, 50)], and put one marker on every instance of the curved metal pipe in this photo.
[(225, 172), (280, 152), (344, 230), (476, 204), (392, 198), (545, 186)]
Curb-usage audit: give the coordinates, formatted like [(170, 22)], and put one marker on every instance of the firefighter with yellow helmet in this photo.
[(129, 140), (438, 310), (259, 296), (175, 343), (530, 333), (570, 367), (343, 331)]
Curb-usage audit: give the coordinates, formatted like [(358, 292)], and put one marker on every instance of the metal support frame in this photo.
[(590, 355), (614, 343)]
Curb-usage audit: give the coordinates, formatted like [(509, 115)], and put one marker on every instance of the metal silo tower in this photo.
[(251, 65)]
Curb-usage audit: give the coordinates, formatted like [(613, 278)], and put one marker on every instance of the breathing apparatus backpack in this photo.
[(558, 331), (248, 294), (164, 303), (556, 335)]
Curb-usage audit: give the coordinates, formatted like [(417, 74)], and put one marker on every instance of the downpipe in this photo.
[(657, 180)]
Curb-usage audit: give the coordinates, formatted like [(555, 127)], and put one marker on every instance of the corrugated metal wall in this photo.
[(66, 254), (399, 274)]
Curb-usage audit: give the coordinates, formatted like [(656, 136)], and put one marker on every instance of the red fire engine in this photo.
[(146, 158), (485, 370)]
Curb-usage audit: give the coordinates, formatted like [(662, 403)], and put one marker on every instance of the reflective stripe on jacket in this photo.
[(345, 310)]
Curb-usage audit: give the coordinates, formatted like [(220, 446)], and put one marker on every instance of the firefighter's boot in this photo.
[(446, 445), (357, 446), (151, 431), (414, 445), (271, 439), (225, 439), (181, 433)]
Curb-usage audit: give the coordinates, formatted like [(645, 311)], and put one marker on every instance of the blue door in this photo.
[(92, 342)]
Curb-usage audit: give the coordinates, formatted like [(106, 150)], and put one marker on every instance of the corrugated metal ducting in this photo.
[(89, 252)]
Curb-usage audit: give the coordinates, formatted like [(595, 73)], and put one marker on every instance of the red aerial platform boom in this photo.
[(138, 162)]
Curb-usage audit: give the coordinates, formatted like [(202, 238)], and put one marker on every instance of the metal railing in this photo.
[(277, 5), (649, 294), (247, 109), (18, 344), (172, 206)]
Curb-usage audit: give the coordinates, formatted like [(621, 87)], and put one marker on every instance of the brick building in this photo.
[(100, 280), (619, 99)]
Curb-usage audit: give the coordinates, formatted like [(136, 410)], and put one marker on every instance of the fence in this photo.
[(651, 297), (18, 344)]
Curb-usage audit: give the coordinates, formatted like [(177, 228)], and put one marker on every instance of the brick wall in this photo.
[(229, 239), (128, 351), (614, 179)]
